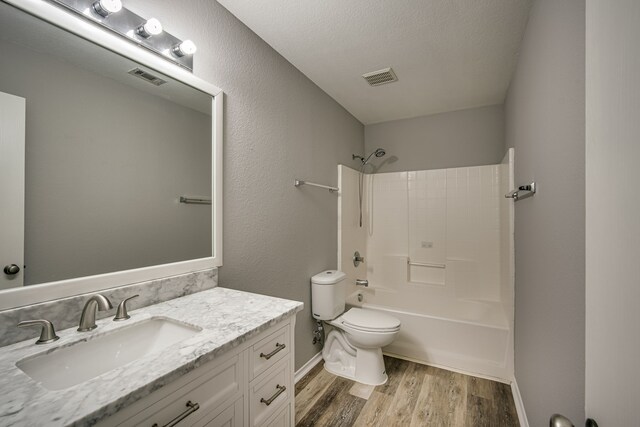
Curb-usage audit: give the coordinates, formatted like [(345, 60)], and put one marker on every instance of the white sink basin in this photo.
[(80, 362)]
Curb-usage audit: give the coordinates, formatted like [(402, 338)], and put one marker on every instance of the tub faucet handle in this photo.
[(357, 259), (362, 282)]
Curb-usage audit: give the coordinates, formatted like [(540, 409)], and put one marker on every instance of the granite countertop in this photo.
[(227, 318)]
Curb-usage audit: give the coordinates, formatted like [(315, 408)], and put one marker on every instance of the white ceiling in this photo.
[(448, 54)]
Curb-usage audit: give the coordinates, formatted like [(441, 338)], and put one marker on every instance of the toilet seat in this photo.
[(370, 321)]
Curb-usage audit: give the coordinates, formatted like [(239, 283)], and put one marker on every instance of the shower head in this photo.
[(378, 153)]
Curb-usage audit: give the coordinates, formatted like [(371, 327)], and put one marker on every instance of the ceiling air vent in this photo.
[(380, 77), (147, 77)]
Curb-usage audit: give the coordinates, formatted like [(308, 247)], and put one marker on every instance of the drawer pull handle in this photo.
[(191, 408), (270, 400), (279, 347)]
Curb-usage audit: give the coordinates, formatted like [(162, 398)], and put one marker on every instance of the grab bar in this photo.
[(299, 182), (426, 264), (195, 200)]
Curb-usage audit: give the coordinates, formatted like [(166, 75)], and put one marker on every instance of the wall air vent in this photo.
[(380, 77), (147, 77)]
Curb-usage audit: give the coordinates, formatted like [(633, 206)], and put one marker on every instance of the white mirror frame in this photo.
[(32, 294)]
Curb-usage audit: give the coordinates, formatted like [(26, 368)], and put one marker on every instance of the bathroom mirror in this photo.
[(110, 144)]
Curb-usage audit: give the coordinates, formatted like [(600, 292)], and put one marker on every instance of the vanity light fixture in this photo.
[(152, 27), (107, 7), (184, 48), (147, 32)]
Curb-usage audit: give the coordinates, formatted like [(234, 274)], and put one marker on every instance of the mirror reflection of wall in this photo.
[(103, 182)]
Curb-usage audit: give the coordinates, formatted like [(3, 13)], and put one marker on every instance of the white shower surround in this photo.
[(461, 316)]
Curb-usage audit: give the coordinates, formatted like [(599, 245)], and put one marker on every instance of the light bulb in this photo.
[(107, 7), (187, 47), (152, 27)]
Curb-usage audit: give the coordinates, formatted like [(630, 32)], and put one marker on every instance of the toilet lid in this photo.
[(370, 320)]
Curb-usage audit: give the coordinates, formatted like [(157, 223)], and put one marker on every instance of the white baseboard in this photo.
[(517, 399), (448, 368), (307, 367)]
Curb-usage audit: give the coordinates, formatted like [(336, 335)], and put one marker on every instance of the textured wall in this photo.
[(612, 226), (470, 137), (545, 122), (278, 126)]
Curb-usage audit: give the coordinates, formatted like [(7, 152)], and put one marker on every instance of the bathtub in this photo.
[(462, 335)]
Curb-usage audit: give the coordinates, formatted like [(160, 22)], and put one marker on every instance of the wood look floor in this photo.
[(415, 395)]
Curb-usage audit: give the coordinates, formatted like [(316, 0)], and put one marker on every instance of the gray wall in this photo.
[(278, 126), (612, 225), (105, 165), (545, 122), (456, 139)]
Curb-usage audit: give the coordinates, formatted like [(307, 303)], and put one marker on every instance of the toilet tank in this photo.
[(328, 294)]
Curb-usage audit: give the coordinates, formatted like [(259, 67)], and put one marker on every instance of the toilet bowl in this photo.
[(364, 363), (353, 349)]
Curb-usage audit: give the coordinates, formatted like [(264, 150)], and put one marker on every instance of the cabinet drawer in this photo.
[(231, 416), (211, 389), (282, 419), (269, 351), (267, 395)]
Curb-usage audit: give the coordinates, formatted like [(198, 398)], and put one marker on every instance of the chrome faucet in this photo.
[(362, 282), (93, 304)]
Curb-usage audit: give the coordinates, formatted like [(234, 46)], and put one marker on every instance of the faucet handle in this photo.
[(48, 333), (121, 312)]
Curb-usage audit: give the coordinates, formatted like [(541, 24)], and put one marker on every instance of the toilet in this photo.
[(353, 349)]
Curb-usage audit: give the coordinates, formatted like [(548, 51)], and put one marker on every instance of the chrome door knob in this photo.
[(11, 269)]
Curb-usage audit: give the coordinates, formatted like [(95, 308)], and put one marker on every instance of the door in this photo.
[(612, 381), (12, 137)]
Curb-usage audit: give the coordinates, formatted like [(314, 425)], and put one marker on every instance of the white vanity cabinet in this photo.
[(250, 385)]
